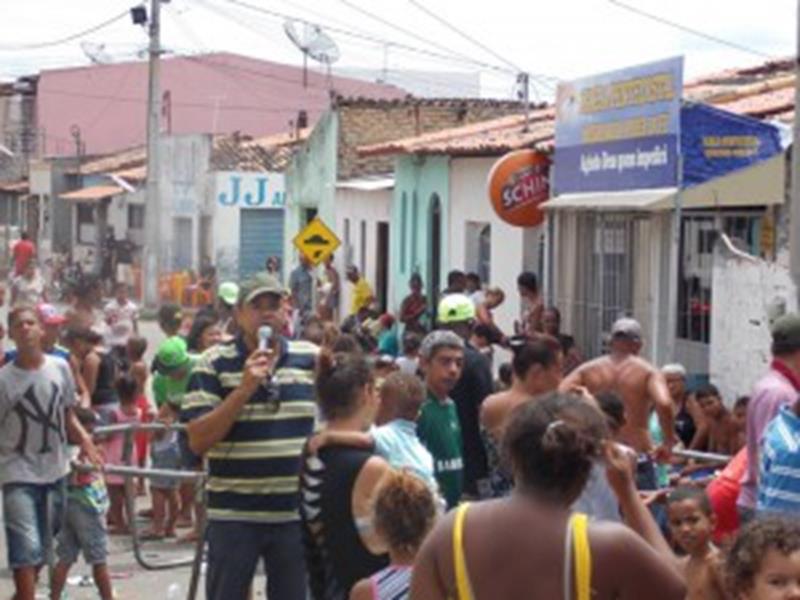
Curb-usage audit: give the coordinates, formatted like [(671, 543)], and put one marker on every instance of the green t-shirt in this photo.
[(169, 390), (439, 430)]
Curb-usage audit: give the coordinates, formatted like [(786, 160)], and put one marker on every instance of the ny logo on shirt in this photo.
[(50, 419)]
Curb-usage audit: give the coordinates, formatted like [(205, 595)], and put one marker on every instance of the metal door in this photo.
[(260, 236), (182, 244)]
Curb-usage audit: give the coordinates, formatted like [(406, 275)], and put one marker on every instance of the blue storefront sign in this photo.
[(619, 130), (715, 142)]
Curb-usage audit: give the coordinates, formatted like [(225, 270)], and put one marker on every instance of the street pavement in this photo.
[(130, 580)]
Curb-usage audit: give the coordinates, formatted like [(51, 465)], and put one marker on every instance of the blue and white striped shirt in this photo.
[(779, 478)]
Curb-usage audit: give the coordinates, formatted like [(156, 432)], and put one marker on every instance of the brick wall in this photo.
[(368, 122)]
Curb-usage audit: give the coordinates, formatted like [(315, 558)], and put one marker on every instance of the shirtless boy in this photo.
[(723, 433), (640, 385), (691, 523)]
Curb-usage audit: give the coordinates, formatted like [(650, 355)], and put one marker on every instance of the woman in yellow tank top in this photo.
[(527, 546)]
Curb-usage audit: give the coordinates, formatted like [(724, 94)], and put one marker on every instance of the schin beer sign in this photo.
[(518, 184)]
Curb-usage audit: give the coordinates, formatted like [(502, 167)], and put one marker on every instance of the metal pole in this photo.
[(794, 232), (526, 96), (152, 246), (674, 269)]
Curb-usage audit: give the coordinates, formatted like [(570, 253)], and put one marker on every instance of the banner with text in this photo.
[(619, 131), (715, 142)]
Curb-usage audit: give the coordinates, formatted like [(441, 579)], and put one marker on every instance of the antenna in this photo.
[(313, 42), (96, 53)]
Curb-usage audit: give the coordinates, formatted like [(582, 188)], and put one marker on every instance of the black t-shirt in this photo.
[(470, 392)]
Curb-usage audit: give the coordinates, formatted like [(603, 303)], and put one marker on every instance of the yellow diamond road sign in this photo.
[(316, 242)]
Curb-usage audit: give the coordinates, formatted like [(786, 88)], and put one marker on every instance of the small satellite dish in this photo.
[(96, 53), (313, 42)]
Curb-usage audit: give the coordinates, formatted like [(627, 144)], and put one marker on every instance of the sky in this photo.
[(557, 39)]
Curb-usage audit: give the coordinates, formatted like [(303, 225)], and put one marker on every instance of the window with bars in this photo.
[(699, 234)]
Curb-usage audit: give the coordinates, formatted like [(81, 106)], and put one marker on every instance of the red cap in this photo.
[(49, 315)]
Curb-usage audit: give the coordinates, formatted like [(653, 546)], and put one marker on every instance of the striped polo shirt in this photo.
[(779, 478), (253, 472)]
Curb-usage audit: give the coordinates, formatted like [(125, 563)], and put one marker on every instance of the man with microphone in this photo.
[(249, 408)]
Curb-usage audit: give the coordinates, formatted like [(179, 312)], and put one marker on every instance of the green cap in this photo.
[(228, 292), (456, 308), (786, 331), (172, 355), (258, 284)]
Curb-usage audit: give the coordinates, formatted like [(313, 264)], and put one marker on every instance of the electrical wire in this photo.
[(371, 38), (543, 80), (402, 30), (464, 35), (691, 30), (66, 39)]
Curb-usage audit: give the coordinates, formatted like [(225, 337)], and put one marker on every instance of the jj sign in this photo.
[(251, 190)]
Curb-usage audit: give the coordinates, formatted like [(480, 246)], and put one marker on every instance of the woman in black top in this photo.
[(337, 484), (97, 368)]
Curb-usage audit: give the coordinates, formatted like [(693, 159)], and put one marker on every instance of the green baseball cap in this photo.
[(228, 292), (258, 284), (786, 330), (172, 355), (456, 308)]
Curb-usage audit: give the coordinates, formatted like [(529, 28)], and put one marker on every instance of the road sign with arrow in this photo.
[(316, 242)]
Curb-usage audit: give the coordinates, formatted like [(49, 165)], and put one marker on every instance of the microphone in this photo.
[(264, 336), (273, 401)]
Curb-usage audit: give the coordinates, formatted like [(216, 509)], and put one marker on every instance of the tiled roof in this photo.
[(765, 91), (494, 136), (229, 153), (234, 153), (125, 159), (17, 187), (360, 101), (92, 193)]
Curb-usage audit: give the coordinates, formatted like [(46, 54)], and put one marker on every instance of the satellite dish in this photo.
[(313, 42), (96, 53)]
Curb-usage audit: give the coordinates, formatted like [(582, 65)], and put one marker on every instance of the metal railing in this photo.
[(131, 472), (709, 457)]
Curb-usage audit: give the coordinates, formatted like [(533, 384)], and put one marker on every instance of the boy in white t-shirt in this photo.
[(122, 317)]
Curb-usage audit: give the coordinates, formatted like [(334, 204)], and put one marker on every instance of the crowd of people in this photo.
[(377, 456)]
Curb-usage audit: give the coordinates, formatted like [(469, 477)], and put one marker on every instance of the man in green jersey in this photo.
[(442, 359)]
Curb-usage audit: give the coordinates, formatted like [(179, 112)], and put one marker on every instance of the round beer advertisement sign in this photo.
[(518, 184)]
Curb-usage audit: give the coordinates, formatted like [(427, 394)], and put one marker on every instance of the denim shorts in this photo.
[(33, 515), (83, 529), (168, 457)]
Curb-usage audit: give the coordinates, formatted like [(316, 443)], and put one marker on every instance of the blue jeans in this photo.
[(234, 549), (33, 515)]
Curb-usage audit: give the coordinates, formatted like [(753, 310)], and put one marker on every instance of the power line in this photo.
[(464, 35), (403, 30), (376, 40), (64, 40), (687, 29), (545, 81), (256, 73)]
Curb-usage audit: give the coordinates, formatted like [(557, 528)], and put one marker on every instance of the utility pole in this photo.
[(152, 217), (524, 81), (794, 231)]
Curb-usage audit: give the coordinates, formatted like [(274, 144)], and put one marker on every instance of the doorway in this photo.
[(382, 264)]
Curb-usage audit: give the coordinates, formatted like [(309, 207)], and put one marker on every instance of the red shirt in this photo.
[(23, 252)]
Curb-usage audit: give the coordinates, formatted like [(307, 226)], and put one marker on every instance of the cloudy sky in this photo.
[(557, 38)]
